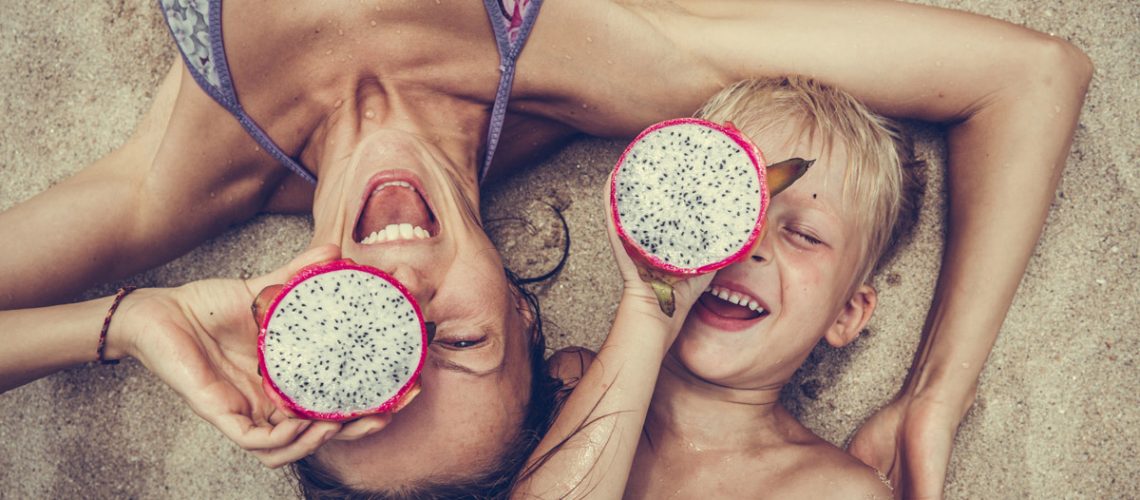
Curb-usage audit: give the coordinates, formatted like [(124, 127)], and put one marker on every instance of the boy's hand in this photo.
[(640, 295), (201, 340)]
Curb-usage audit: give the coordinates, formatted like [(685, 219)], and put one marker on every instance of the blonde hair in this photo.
[(880, 181)]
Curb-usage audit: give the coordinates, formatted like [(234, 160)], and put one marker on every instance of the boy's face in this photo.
[(800, 277)]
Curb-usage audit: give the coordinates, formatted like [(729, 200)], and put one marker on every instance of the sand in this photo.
[(1057, 408)]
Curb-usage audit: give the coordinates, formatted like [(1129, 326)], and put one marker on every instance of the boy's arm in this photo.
[(188, 172), (590, 447), (1013, 97)]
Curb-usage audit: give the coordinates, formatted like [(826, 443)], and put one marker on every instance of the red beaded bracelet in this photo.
[(123, 292)]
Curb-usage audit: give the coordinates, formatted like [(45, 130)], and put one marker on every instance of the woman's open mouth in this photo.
[(395, 210), (729, 309)]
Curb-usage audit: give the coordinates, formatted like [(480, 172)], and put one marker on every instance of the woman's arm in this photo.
[(1012, 97), (187, 173), (200, 339)]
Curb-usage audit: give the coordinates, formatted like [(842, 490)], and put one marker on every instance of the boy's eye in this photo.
[(805, 237)]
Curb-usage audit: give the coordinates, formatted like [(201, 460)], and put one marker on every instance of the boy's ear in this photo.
[(854, 316)]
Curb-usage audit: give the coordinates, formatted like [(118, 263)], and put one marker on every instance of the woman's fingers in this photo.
[(241, 430), (261, 302), (363, 426), (316, 435)]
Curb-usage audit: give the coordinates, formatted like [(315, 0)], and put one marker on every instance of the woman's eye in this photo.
[(459, 344)]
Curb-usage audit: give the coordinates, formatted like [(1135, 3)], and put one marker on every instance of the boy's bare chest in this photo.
[(699, 474)]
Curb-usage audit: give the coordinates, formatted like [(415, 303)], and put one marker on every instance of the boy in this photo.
[(706, 385)]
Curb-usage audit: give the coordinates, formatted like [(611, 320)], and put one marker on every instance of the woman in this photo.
[(351, 91)]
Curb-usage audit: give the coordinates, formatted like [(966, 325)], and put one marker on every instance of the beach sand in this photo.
[(1057, 408)]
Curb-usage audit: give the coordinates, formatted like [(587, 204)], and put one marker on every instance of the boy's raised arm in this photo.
[(589, 449), (1012, 97)]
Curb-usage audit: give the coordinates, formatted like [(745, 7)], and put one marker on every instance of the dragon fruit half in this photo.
[(689, 196), (341, 340)]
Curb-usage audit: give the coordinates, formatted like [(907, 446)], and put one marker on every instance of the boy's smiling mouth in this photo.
[(729, 309)]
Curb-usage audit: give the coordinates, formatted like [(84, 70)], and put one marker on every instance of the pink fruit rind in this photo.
[(309, 272), (640, 254)]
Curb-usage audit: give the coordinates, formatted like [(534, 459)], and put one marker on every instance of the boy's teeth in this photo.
[(735, 298), (396, 232)]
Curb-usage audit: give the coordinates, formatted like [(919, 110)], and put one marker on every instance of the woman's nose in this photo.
[(413, 280)]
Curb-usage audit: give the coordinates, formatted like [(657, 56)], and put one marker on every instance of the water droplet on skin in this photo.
[(589, 40), (369, 114), (338, 103), (372, 23), (328, 52)]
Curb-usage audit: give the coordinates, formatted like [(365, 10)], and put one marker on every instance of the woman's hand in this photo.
[(201, 340), (909, 441)]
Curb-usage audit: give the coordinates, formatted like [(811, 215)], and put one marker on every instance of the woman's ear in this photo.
[(523, 306), (854, 316), (569, 365)]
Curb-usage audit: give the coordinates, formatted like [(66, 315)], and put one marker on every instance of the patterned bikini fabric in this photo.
[(196, 26)]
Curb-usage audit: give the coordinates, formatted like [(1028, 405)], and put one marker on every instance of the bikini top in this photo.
[(196, 26)]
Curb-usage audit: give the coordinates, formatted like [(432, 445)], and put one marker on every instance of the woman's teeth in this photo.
[(393, 184), (735, 298), (396, 232)]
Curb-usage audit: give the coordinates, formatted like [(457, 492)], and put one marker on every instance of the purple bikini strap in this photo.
[(510, 34)]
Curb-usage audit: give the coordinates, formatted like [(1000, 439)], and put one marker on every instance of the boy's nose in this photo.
[(762, 251)]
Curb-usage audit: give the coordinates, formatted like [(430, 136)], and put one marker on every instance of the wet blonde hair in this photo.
[(880, 182)]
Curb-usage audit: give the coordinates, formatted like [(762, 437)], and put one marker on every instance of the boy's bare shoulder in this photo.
[(822, 470)]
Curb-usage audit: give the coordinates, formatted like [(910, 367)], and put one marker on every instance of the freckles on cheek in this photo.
[(806, 275)]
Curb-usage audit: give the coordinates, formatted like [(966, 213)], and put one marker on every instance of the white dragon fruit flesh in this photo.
[(689, 196), (341, 340)]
